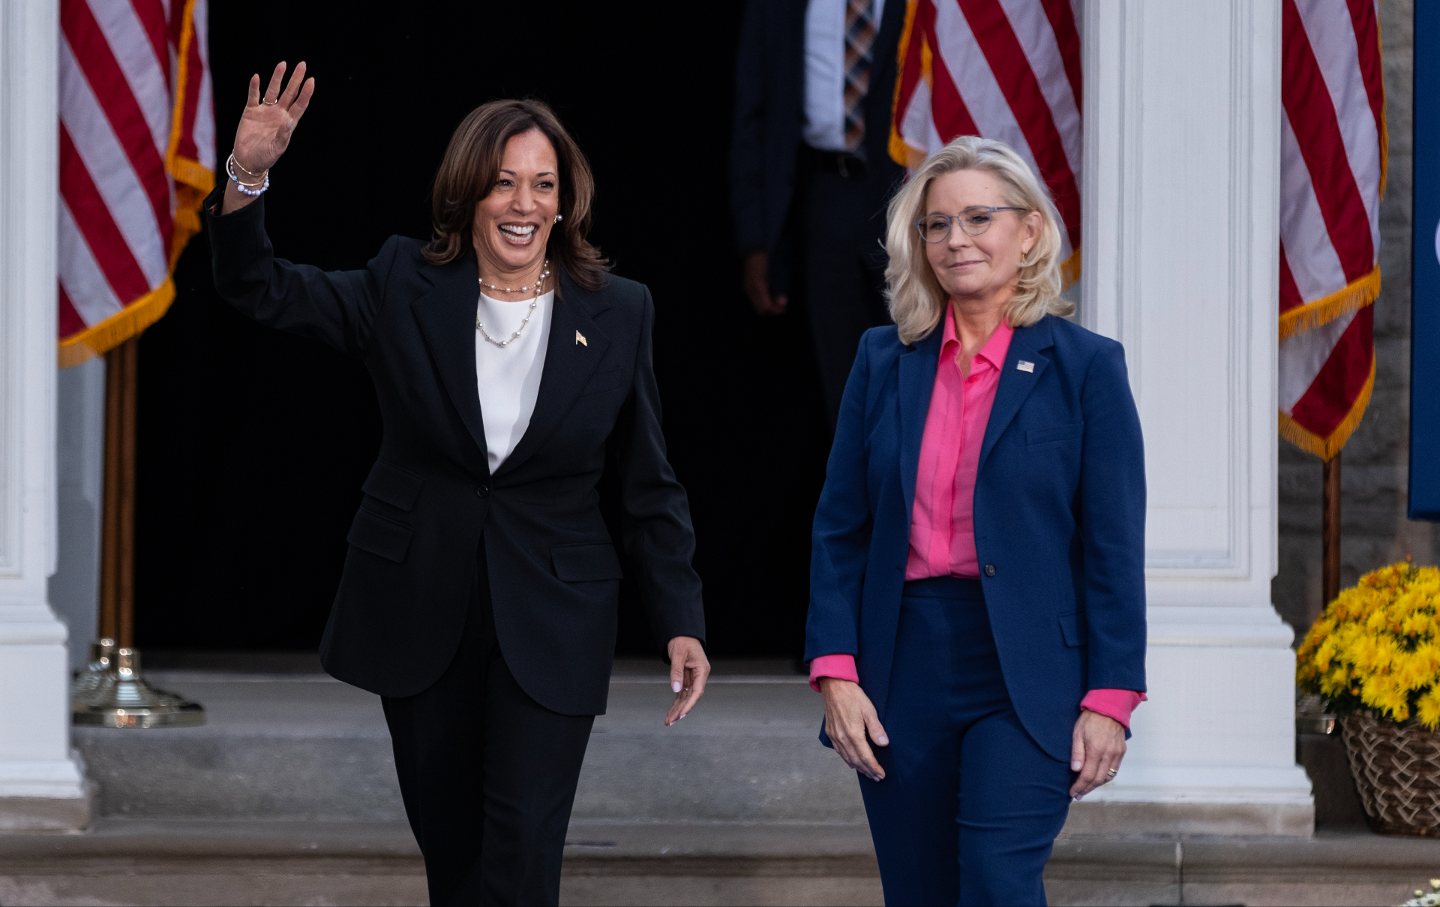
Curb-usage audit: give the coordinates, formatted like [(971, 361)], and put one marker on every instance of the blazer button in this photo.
[(482, 490), (989, 569)]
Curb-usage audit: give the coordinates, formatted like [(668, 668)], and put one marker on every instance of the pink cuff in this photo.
[(1117, 704), (841, 667)]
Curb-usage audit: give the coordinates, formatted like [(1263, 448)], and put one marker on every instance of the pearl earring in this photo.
[(559, 218)]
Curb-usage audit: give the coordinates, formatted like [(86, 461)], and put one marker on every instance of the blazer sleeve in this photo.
[(336, 307), (840, 540), (1112, 521), (657, 535)]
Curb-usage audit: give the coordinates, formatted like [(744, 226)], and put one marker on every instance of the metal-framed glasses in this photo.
[(974, 220)]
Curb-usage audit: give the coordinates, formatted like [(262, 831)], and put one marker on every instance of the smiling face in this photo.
[(513, 222), (978, 272)]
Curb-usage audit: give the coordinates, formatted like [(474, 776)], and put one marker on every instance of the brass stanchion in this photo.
[(109, 691)]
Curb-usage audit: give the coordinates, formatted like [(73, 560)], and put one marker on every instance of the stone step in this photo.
[(245, 862), (302, 746)]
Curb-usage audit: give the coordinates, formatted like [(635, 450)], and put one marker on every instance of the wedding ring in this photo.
[(1113, 772), (268, 102)]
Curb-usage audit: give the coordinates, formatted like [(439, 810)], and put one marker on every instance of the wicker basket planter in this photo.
[(1397, 773)]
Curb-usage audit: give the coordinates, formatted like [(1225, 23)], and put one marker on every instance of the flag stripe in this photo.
[(1321, 143), (118, 108), (1332, 172), (1338, 57), (1042, 53), (91, 295), (1067, 40), (1364, 18), (136, 155), (1289, 293), (101, 233), (1026, 102), (1327, 403), (1006, 70), (1304, 236), (111, 181)]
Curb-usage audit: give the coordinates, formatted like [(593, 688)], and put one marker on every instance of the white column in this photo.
[(1181, 188), (42, 780)]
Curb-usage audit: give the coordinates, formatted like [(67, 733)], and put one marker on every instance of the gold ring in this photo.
[(269, 103), (1113, 772)]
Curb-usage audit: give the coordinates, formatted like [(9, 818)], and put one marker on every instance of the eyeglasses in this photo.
[(974, 220)]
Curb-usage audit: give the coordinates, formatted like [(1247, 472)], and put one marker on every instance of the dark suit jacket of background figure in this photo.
[(430, 500), (766, 143), (1059, 515)]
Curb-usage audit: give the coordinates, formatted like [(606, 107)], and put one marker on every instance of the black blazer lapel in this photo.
[(446, 316), (1016, 381), (569, 363), (916, 384)]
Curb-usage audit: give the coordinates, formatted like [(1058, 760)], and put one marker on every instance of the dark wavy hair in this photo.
[(471, 166)]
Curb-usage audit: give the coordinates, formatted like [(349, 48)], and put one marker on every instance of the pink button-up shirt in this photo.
[(942, 522)]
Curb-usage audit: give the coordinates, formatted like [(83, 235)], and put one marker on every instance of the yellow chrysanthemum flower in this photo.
[(1376, 647)]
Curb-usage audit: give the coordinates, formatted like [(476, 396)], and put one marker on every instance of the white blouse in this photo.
[(509, 377)]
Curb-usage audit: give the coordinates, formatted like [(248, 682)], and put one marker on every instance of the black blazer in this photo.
[(430, 499)]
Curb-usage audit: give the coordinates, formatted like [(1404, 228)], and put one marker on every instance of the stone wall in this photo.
[(1375, 464)]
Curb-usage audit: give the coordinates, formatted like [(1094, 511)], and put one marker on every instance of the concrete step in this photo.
[(287, 746), (252, 862)]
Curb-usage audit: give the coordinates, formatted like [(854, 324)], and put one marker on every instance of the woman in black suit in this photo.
[(479, 593)]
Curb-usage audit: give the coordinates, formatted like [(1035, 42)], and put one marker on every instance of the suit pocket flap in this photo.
[(377, 535), (1072, 627), (605, 380), (393, 485), (1054, 434), (582, 563)]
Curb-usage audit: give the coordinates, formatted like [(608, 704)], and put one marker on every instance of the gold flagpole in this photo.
[(110, 691)]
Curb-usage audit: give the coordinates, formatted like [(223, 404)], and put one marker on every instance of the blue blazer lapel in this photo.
[(568, 363), (916, 383), (1015, 382), (446, 316)]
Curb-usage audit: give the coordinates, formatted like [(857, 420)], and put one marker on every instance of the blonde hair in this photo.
[(916, 300)]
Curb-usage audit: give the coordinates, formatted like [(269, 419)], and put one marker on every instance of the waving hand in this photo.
[(266, 125)]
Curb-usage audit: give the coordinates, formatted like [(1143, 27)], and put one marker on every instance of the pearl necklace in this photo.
[(479, 326), (544, 273)]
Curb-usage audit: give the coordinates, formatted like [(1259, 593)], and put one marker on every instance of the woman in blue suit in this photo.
[(977, 605)]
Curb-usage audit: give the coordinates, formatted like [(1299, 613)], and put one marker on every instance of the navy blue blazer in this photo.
[(1059, 519)]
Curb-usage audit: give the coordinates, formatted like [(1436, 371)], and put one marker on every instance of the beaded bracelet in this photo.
[(247, 171), (253, 190)]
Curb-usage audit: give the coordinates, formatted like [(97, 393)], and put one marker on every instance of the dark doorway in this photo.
[(253, 444)]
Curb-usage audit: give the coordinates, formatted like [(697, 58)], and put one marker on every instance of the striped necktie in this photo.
[(859, 41)]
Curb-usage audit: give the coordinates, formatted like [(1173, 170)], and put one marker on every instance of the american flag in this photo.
[(1002, 69), (1333, 150), (137, 154)]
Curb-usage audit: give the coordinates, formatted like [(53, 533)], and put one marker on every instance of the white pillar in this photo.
[(1180, 239), (42, 781)]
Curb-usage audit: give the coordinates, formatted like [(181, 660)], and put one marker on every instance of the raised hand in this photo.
[(270, 118)]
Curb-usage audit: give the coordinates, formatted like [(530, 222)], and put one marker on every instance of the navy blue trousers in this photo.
[(970, 805)]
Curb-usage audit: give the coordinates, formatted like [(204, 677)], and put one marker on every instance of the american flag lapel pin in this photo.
[(1025, 365), (580, 340)]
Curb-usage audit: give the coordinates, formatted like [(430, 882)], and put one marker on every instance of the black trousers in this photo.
[(487, 774), (843, 230)]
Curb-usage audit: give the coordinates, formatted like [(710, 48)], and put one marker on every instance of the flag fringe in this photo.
[(1070, 269), (1328, 446), (99, 339), (1350, 298), (902, 152), (193, 181)]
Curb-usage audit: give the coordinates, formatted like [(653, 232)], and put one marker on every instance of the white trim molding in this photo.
[(1181, 188), (42, 780)]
